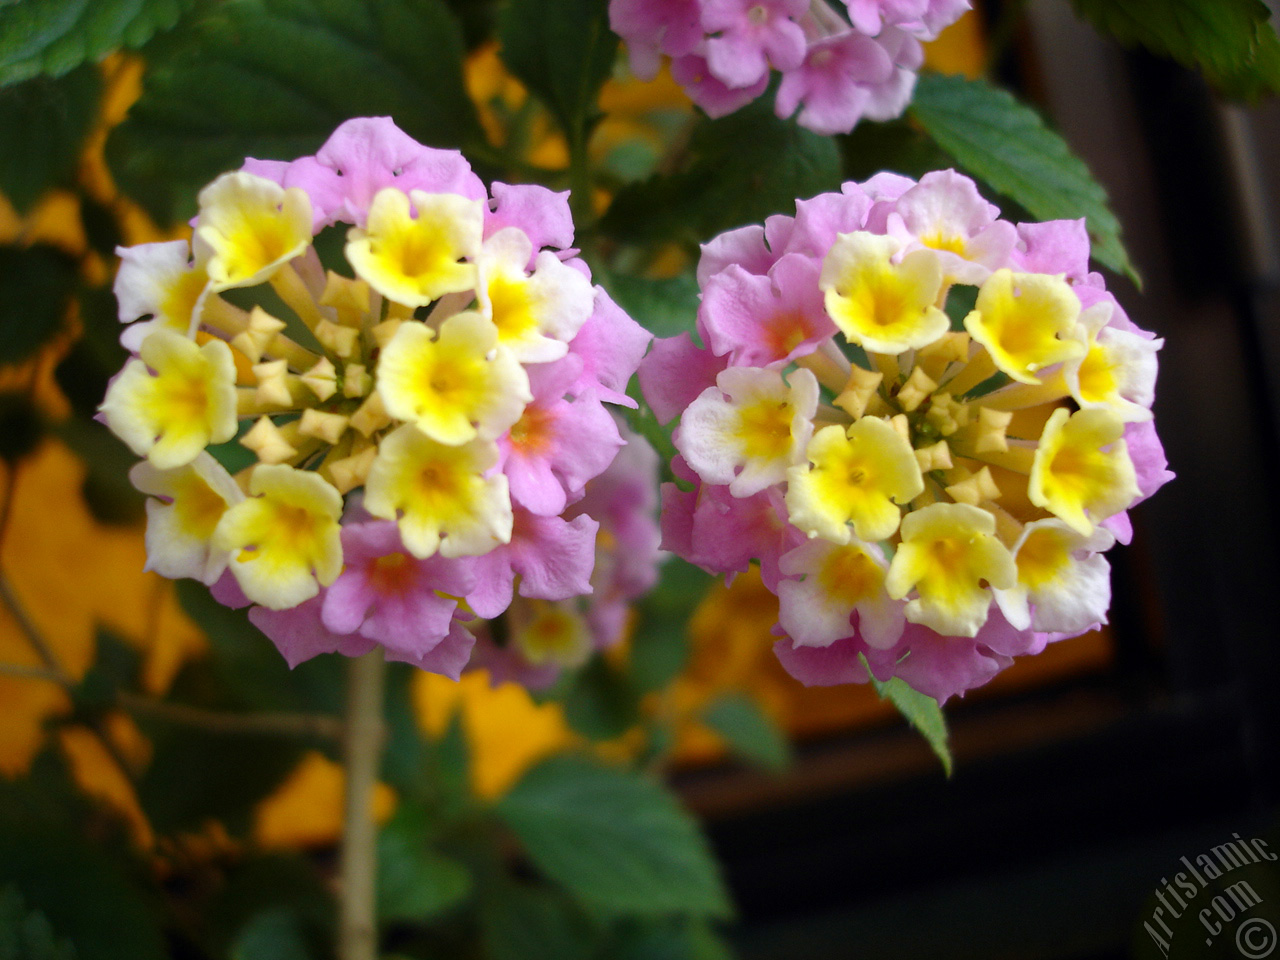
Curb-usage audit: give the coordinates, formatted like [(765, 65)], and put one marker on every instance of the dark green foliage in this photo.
[(55, 36), (272, 79)]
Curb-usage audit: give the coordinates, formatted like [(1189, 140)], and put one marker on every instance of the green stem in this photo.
[(362, 744)]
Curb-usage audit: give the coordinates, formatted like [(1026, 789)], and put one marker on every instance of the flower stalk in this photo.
[(362, 745)]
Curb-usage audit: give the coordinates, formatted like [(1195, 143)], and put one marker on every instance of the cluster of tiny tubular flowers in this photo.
[(840, 61), (427, 417), (926, 423)]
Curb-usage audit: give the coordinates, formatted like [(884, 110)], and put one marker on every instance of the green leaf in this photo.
[(522, 922), (601, 703), (250, 893), (1232, 41), (45, 123), (55, 36), (26, 934), (615, 839), (921, 711), (89, 890), (563, 51), (274, 934), (416, 881), (1006, 144), (660, 644), (36, 284), (748, 731), (272, 79), (740, 170), (667, 939), (665, 307)]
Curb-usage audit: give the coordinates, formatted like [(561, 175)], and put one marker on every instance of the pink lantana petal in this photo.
[(300, 634), (610, 345), (758, 321), (712, 95), (675, 372), (542, 214), (367, 154), (448, 658)]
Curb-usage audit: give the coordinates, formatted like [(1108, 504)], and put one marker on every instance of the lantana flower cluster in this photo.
[(840, 61), (427, 419), (926, 423)]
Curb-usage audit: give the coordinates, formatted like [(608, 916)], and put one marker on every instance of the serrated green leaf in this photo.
[(748, 731), (416, 881), (55, 36), (1232, 41), (563, 51), (665, 307), (614, 839), (740, 169), (45, 122), (921, 711), (36, 284), (272, 79), (1007, 145)]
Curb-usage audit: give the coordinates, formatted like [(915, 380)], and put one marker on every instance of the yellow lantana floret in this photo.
[(251, 227), (879, 305), (173, 413), (416, 256), (440, 494), (1117, 368), (750, 428), (1082, 472), (284, 540), (858, 476), (456, 385), (536, 315), (180, 526), (1019, 317), (950, 556)]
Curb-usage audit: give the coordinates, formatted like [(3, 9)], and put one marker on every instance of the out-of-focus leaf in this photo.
[(563, 51), (614, 839), (36, 284), (87, 889), (26, 934), (55, 36), (415, 880), (275, 934), (660, 643), (748, 731), (522, 922), (665, 307), (45, 122), (1232, 41), (273, 78), (280, 884), (114, 668), (668, 939), (921, 711), (1007, 145), (602, 703), (248, 666), (740, 169), (896, 146)]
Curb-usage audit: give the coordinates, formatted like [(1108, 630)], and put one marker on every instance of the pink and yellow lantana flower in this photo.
[(424, 415), (925, 423)]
